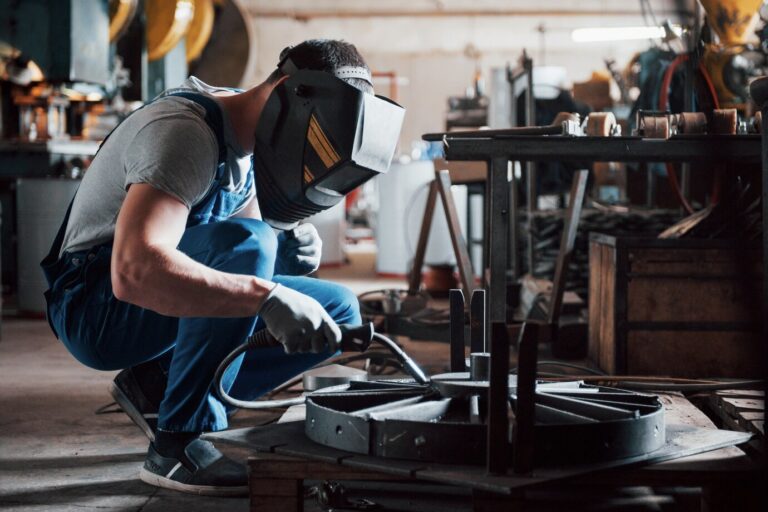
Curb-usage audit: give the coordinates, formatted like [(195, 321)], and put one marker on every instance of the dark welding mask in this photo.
[(318, 139)]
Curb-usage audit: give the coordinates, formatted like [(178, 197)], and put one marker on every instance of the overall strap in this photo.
[(49, 262), (213, 117)]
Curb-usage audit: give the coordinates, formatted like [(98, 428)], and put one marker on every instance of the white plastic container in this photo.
[(402, 197)]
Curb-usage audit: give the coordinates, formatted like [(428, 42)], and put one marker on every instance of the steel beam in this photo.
[(699, 148)]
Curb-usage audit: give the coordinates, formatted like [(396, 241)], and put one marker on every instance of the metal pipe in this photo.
[(530, 166)]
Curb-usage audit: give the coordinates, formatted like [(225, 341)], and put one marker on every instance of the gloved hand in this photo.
[(298, 251), (299, 322)]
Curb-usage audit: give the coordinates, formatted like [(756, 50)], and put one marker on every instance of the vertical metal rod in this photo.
[(460, 248), (567, 242), (523, 448), (514, 221), (690, 68), (414, 281), (498, 221), (530, 167), (498, 401), (477, 321), (650, 185), (456, 304), (764, 134)]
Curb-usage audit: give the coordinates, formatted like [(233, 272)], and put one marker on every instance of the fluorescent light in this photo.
[(590, 35)]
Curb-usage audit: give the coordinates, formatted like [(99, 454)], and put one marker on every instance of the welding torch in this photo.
[(354, 338)]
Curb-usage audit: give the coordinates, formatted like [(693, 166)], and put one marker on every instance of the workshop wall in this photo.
[(435, 45)]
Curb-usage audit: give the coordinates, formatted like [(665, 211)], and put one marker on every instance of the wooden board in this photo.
[(289, 439), (700, 262), (682, 299), (740, 410), (693, 354), (602, 279), (735, 406)]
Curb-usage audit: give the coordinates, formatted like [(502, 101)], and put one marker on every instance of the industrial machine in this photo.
[(731, 61)]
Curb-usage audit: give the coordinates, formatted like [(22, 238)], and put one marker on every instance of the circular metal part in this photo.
[(231, 49), (167, 24), (479, 365), (725, 121), (331, 375), (655, 127), (200, 29), (692, 122), (444, 422), (121, 13), (601, 124)]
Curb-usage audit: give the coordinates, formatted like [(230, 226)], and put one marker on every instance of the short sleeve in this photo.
[(174, 154)]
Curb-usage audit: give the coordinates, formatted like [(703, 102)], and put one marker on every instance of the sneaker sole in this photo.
[(131, 411), (201, 490)]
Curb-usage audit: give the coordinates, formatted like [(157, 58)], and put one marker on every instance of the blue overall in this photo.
[(107, 334)]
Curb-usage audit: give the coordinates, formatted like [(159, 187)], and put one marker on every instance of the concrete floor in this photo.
[(57, 454)]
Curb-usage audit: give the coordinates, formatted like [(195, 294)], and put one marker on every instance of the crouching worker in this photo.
[(183, 239)]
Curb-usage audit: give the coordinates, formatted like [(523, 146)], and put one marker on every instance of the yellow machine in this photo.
[(731, 61)]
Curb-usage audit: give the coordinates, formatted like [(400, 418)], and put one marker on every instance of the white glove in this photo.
[(298, 251), (299, 322)]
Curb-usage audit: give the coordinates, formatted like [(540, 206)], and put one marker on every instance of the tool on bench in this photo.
[(354, 338), (565, 123)]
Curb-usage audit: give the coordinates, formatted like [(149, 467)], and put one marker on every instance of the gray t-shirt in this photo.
[(166, 144)]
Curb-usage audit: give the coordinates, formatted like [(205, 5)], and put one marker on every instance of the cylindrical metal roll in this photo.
[(692, 122), (479, 365), (725, 121), (656, 127), (600, 124)]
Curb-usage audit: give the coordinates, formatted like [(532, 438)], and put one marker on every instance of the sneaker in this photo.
[(130, 396), (203, 470)]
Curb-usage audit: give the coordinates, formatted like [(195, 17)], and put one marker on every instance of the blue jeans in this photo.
[(107, 334)]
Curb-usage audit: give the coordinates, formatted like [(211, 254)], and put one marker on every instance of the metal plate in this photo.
[(288, 439)]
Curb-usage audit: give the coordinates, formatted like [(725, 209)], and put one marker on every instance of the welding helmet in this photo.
[(318, 138)]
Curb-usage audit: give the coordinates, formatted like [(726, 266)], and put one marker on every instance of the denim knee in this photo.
[(255, 234), (243, 246), (344, 308)]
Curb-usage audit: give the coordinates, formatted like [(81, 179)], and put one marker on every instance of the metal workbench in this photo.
[(498, 150)]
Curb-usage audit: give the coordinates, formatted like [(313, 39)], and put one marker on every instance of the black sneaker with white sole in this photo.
[(202, 470), (138, 391)]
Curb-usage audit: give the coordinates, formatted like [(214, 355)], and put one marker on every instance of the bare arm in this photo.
[(149, 271)]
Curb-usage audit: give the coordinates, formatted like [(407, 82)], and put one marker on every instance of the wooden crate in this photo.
[(682, 308)]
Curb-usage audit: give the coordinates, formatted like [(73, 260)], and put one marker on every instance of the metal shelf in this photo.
[(711, 148)]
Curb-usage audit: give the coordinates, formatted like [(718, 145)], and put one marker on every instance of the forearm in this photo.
[(171, 283)]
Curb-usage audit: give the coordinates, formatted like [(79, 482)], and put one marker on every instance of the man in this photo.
[(168, 259)]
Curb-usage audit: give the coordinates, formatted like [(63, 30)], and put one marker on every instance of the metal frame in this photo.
[(500, 149)]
